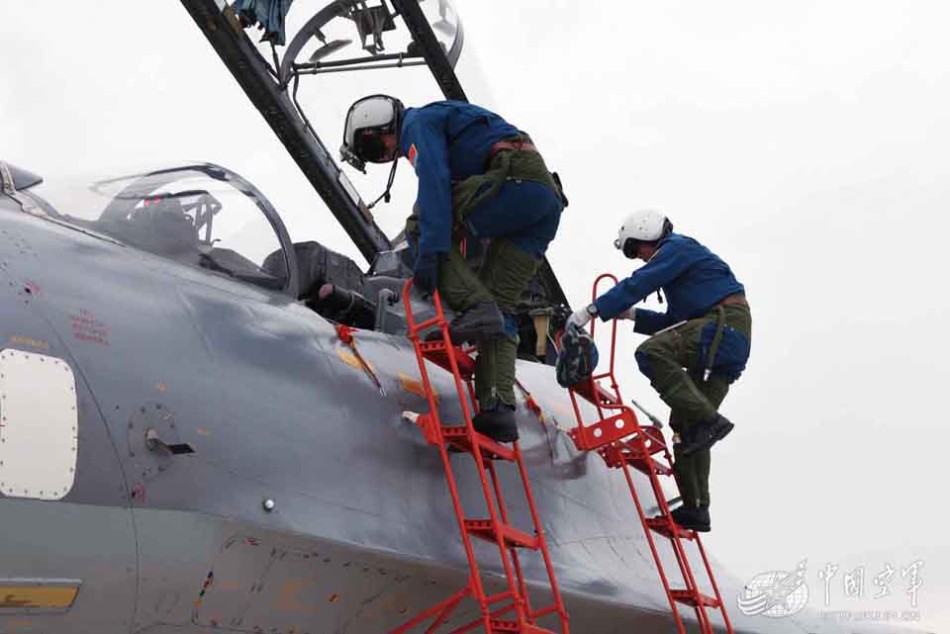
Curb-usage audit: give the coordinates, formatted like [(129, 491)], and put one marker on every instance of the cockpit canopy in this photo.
[(202, 215)]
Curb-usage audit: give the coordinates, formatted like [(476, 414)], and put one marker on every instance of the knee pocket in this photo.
[(645, 351)]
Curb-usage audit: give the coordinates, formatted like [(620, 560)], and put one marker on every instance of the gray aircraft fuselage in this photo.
[(307, 504)]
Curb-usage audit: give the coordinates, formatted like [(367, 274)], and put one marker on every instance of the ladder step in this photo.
[(642, 465), (668, 528), (459, 438), (632, 455), (500, 626), (653, 439), (693, 599), (640, 461), (513, 538), (437, 353), (593, 393)]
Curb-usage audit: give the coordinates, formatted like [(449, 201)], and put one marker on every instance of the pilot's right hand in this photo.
[(425, 273)]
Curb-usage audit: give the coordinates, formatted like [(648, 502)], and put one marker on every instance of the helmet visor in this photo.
[(369, 145)]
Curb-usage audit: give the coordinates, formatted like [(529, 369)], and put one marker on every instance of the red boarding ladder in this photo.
[(509, 611), (623, 443)]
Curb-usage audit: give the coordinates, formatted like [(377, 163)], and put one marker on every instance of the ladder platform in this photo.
[(460, 438), (604, 432), (669, 528), (693, 599), (503, 627), (437, 352), (513, 538)]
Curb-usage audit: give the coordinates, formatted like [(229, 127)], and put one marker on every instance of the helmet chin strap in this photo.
[(389, 184)]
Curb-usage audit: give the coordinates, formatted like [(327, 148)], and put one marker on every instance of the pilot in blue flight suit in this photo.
[(699, 346), (482, 178)]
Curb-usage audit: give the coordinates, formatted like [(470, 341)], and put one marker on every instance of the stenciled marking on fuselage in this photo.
[(86, 327)]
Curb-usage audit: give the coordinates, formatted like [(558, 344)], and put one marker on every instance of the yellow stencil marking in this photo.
[(350, 359), (29, 342), (37, 596), (414, 386)]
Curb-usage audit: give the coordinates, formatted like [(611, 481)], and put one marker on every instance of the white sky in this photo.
[(805, 143)]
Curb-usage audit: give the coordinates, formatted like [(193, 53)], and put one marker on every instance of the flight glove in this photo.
[(580, 317), (425, 273)]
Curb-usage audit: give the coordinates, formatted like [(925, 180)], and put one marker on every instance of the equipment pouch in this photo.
[(731, 355)]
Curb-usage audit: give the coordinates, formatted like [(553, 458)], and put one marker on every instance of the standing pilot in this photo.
[(699, 346), (479, 176)]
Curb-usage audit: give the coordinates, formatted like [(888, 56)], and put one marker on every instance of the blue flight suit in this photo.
[(505, 198), (691, 364), (448, 142), (692, 277)]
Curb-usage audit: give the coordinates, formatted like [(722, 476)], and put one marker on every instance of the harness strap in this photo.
[(717, 340)]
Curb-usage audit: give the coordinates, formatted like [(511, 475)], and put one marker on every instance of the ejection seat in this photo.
[(159, 226)]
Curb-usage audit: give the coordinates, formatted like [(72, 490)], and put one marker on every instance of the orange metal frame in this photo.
[(623, 443), (496, 528)]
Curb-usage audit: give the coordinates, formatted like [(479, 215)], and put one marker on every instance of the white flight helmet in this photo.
[(645, 225), (367, 120)]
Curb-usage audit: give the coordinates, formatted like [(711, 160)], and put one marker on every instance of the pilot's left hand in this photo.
[(579, 318)]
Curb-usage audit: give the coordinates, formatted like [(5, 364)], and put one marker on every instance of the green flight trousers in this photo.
[(503, 276), (677, 373), (502, 279)]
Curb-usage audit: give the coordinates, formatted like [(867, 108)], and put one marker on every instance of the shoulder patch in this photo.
[(412, 154)]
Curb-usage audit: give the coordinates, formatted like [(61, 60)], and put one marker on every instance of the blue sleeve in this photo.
[(647, 322), (665, 266), (423, 142)]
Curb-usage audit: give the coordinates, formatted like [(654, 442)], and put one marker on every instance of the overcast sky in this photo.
[(806, 143)]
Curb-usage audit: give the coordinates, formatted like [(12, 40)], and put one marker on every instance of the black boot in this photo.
[(705, 434), (694, 518), (480, 322), (497, 423)]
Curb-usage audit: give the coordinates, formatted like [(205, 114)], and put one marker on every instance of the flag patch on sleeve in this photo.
[(412, 154)]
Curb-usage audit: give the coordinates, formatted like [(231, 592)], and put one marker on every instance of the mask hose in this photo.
[(389, 184)]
